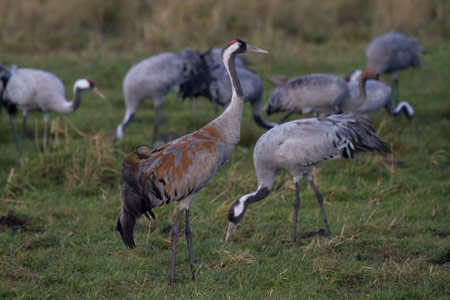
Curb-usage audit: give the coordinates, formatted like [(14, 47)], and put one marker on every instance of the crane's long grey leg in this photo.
[(320, 200), (189, 235), (159, 118), (22, 136), (13, 132), (194, 103), (175, 232), (45, 131), (396, 86), (296, 209)]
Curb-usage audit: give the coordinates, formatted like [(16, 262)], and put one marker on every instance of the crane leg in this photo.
[(175, 231), (396, 86), (22, 137), (189, 235), (160, 118), (194, 103), (45, 132), (320, 200), (296, 208), (13, 132)]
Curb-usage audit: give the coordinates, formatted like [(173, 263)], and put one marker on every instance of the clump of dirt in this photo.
[(10, 220), (443, 259), (441, 234)]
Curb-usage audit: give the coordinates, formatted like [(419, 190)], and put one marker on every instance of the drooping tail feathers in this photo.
[(356, 135), (134, 200)]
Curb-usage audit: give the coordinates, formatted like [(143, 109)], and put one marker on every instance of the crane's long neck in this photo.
[(76, 99), (362, 92), (66, 107), (231, 118)]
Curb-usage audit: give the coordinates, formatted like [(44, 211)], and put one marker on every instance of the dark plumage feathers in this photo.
[(134, 201), (362, 136)]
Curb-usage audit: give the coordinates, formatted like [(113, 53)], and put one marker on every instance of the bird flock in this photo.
[(176, 171)]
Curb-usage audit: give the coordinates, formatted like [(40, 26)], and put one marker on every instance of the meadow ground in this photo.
[(390, 221)]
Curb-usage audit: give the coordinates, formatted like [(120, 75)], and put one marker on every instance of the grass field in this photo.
[(391, 223)]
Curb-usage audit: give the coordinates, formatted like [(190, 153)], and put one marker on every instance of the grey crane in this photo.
[(393, 52), (153, 78), (214, 84), (378, 95), (179, 169), (321, 94), (297, 146), (37, 90)]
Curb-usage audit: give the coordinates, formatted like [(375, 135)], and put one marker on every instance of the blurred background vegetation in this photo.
[(156, 25)]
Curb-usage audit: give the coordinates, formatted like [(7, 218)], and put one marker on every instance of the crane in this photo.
[(393, 52), (313, 93), (38, 90), (153, 78), (321, 94), (297, 146), (214, 84), (178, 170), (378, 95)]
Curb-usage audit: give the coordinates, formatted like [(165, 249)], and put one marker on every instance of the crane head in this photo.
[(85, 84), (236, 46)]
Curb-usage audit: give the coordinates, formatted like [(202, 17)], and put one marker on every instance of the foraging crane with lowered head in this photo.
[(378, 95), (297, 146), (37, 90), (321, 94), (153, 78), (179, 169), (393, 52)]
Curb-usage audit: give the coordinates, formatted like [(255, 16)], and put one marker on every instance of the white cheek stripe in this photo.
[(408, 108), (240, 207)]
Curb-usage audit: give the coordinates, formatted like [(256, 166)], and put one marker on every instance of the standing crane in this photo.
[(378, 95), (153, 78), (393, 52), (215, 85), (297, 146), (179, 169), (321, 94), (37, 90)]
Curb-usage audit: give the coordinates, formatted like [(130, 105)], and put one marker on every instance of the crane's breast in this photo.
[(175, 170)]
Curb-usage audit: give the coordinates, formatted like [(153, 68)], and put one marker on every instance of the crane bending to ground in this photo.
[(378, 95), (393, 52), (153, 78), (297, 146), (321, 94), (179, 169), (37, 90)]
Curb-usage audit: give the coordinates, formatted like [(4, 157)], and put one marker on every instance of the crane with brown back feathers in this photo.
[(179, 169)]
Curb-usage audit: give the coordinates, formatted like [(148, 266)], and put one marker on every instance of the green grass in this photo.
[(391, 224)]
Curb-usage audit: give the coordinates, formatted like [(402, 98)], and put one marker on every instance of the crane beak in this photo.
[(251, 48), (231, 227), (100, 94)]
